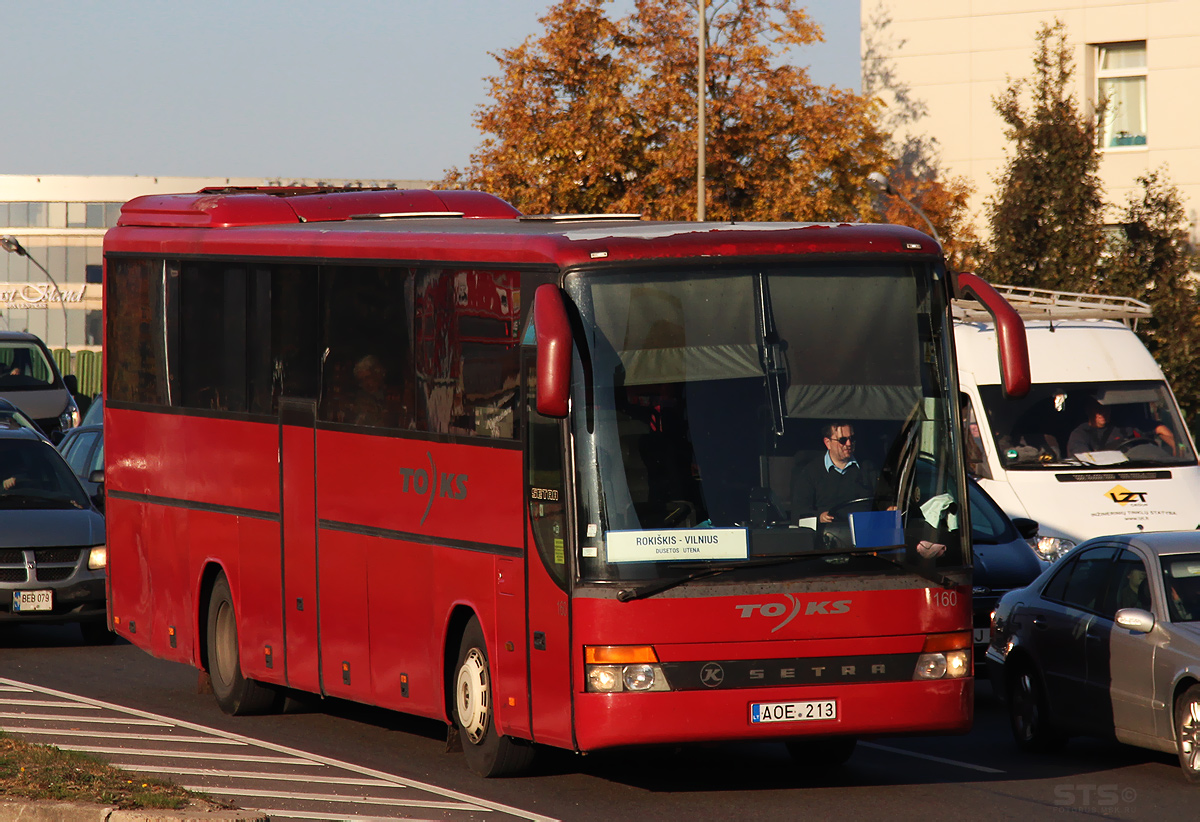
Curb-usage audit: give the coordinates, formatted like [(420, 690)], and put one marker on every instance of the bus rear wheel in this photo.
[(487, 752), (235, 694)]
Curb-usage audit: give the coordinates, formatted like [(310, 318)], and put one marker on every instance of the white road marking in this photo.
[(195, 740), (902, 752), (45, 703), (119, 752), (324, 817), (70, 718), (299, 757), (272, 777), (347, 800)]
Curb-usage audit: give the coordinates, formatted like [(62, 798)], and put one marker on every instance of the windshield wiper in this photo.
[(658, 586), (770, 352)]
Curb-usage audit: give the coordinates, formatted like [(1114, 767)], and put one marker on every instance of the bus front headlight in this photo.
[(617, 668), (945, 656)]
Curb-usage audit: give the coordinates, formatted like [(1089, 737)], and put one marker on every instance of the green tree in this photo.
[(601, 115), (1151, 263), (1046, 216)]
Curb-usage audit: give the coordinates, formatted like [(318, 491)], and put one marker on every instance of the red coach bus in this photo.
[(531, 476)]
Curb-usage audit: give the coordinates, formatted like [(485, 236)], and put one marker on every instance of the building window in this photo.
[(1121, 81)]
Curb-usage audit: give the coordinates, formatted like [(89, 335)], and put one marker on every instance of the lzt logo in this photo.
[(1123, 496), (431, 482), (790, 609)]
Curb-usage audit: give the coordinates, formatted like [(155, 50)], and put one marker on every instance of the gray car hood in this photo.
[(50, 528)]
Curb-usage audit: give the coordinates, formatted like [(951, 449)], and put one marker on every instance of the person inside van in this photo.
[(1098, 433)]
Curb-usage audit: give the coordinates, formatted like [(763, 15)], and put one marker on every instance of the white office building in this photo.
[(1143, 55), (55, 290)]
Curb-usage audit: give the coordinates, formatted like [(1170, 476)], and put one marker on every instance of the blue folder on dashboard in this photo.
[(876, 529)]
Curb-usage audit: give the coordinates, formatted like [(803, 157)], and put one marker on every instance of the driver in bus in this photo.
[(1097, 433), (833, 479)]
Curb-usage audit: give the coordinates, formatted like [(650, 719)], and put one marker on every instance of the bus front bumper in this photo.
[(861, 709)]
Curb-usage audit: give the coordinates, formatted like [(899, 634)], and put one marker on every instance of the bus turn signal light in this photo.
[(618, 654)]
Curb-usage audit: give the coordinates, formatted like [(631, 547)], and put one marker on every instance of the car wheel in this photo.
[(487, 752), (96, 633), (1029, 715), (235, 693), (821, 754), (1187, 732)]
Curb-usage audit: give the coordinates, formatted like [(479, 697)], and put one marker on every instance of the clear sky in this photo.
[(378, 89)]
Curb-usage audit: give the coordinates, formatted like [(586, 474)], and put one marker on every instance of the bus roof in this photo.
[(460, 226)]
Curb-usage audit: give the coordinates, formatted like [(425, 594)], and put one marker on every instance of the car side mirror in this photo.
[(97, 476), (1027, 528), (1135, 619)]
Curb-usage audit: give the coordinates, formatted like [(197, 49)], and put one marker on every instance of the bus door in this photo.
[(548, 546), (297, 467)]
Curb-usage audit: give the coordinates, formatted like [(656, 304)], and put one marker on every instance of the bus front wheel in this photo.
[(235, 693), (487, 752)]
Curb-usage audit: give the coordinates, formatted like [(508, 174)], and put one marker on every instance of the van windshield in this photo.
[(1131, 424), (24, 367)]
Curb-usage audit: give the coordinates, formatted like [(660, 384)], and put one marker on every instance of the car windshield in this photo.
[(24, 367), (33, 475), (707, 394), (1181, 581), (95, 413), (989, 525), (1131, 424)]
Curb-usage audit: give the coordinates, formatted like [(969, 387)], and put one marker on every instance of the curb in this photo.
[(50, 811)]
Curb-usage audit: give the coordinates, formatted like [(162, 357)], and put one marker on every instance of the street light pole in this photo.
[(877, 181), (13, 246), (701, 93)]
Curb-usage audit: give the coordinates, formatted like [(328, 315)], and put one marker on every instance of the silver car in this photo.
[(1106, 642)]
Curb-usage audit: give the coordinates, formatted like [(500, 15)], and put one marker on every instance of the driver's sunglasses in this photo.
[(844, 441)]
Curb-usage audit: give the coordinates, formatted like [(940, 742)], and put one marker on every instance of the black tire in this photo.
[(1187, 732), (487, 752), (1029, 715), (96, 633), (822, 754), (236, 694)]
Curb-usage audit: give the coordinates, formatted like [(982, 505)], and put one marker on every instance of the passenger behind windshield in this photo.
[(1074, 424)]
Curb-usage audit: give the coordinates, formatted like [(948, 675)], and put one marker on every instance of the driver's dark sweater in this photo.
[(815, 489)]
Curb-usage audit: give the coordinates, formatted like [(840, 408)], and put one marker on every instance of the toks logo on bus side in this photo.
[(792, 608), (420, 481)]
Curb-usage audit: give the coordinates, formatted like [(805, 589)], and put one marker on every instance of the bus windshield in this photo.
[(706, 393), (1133, 424)]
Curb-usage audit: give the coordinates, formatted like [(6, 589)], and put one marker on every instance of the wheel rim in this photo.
[(473, 696), (1025, 709), (1189, 736), (224, 650)]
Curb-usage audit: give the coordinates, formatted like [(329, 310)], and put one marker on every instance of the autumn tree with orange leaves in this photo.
[(600, 115)]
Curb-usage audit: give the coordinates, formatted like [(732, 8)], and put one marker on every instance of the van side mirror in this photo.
[(553, 331), (1027, 528)]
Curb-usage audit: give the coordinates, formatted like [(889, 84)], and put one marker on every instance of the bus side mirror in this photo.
[(553, 331), (1010, 334)]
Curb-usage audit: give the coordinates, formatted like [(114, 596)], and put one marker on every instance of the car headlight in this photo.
[(98, 558), (611, 669), (69, 418), (1051, 548), (945, 656)]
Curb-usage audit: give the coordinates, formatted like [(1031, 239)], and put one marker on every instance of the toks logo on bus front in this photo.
[(419, 481)]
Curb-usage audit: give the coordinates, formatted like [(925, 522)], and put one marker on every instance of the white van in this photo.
[(1098, 446)]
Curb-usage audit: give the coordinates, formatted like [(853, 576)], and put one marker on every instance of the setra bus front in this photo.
[(710, 600)]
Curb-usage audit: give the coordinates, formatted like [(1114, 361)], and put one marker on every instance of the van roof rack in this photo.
[(1044, 304)]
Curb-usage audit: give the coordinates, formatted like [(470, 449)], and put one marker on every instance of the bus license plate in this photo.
[(33, 601), (793, 711)]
